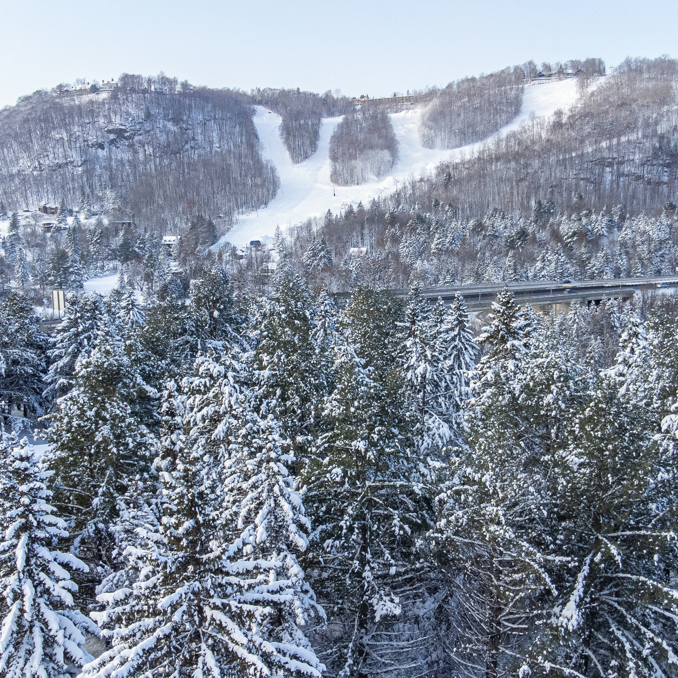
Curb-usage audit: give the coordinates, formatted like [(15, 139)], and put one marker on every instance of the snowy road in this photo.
[(306, 189)]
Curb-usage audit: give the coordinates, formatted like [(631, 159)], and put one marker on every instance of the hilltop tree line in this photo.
[(270, 486), (616, 146), (162, 149)]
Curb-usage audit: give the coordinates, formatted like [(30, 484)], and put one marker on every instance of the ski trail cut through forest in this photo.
[(306, 190)]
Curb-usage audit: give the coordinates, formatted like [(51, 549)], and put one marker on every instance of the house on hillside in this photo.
[(170, 241)]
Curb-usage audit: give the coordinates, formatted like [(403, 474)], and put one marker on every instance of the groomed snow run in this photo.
[(103, 285), (306, 190)]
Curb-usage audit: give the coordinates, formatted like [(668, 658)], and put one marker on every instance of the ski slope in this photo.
[(103, 285), (306, 190)]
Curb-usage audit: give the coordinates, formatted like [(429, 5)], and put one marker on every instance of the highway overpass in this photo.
[(543, 293), (550, 292)]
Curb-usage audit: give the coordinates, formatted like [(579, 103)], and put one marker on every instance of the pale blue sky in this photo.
[(370, 47)]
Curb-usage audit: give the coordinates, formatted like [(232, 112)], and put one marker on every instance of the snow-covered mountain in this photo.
[(306, 190), (160, 154)]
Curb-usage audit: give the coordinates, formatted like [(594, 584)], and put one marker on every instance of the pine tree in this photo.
[(99, 444), (488, 528), (13, 239), (150, 268), (85, 203), (22, 357), (169, 335), (613, 515), (420, 358), (286, 372), (21, 276), (221, 587), (325, 331), (75, 274), (72, 240), (213, 309), (365, 497), (57, 268), (317, 256), (62, 214), (457, 352), (41, 631), (74, 339), (325, 336), (632, 369), (129, 313)]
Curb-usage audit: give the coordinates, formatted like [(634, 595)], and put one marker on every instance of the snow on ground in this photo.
[(306, 190), (102, 285)]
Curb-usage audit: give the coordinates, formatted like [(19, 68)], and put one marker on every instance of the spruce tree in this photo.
[(13, 239), (21, 276), (74, 339), (22, 357), (42, 631), (457, 352), (488, 529), (614, 519), (420, 357), (220, 586), (62, 214), (367, 502), (286, 373), (213, 310), (99, 446)]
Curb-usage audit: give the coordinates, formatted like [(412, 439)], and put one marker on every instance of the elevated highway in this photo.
[(543, 293), (550, 292)]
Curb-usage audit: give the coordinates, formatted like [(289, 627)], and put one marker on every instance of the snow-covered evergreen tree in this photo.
[(42, 631), (286, 371), (457, 353), (22, 358), (365, 497), (13, 239), (212, 308), (74, 339), (317, 256), (21, 276), (631, 371), (488, 525), (613, 520), (420, 356), (62, 213), (98, 443), (221, 587)]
